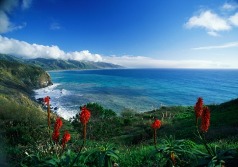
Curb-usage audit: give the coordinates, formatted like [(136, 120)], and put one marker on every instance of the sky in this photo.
[(131, 33)]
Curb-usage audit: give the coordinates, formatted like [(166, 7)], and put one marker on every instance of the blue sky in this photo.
[(131, 33)]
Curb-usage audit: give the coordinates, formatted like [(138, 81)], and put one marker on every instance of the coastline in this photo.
[(143, 90)]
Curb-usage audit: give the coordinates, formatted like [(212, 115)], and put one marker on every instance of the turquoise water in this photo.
[(142, 89)]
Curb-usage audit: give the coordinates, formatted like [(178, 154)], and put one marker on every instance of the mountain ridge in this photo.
[(59, 64)]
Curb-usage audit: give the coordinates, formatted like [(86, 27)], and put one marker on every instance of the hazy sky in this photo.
[(131, 33)]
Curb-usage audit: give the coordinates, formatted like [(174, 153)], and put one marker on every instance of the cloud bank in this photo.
[(30, 51), (26, 50), (147, 62), (213, 22), (6, 9)]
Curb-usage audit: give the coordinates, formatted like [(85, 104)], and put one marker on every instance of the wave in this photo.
[(55, 94), (65, 113)]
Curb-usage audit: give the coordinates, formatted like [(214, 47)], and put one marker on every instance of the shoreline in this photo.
[(50, 89)]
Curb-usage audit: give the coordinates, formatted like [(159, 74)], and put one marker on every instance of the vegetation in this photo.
[(110, 140), (17, 77), (124, 140)]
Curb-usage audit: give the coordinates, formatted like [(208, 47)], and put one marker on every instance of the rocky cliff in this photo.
[(18, 77)]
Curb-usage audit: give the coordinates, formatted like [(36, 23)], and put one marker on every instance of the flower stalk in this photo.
[(47, 101), (156, 125), (203, 112), (84, 118)]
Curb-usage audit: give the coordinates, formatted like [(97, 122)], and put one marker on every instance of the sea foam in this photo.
[(55, 94)]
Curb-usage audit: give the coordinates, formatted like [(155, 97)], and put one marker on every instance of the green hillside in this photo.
[(53, 64), (57, 64), (19, 77)]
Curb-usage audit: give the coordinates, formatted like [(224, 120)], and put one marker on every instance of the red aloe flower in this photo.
[(156, 124), (205, 120), (55, 136), (56, 133), (47, 100), (66, 138), (84, 118), (58, 124), (84, 115), (198, 108)]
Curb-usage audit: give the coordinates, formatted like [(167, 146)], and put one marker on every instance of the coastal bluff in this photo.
[(16, 76)]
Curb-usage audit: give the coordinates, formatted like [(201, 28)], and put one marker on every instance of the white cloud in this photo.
[(26, 50), (147, 62), (227, 45), (229, 6), (4, 22), (6, 7), (214, 23), (213, 33), (6, 25), (208, 20), (234, 19)]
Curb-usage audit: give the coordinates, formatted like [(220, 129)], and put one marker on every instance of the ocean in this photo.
[(138, 89)]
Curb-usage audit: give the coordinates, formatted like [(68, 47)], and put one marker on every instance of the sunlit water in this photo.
[(138, 89)]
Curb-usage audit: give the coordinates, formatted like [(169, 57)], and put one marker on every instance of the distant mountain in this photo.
[(57, 64)]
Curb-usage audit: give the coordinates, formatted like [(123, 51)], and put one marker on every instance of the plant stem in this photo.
[(48, 111), (155, 137), (204, 142), (84, 142), (84, 133)]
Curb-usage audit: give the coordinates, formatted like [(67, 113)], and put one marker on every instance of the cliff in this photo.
[(18, 77)]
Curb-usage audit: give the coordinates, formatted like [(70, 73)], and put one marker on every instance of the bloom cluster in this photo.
[(202, 112), (205, 119), (56, 133), (198, 108), (84, 115), (66, 138), (156, 124), (47, 100)]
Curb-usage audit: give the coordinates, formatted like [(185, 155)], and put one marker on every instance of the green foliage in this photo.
[(103, 123), (65, 159), (176, 152), (103, 156), (128, 113), (137, 156), (97, 111)]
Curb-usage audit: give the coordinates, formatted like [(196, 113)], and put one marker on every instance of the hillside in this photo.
[(19, 77), (56, 64)]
